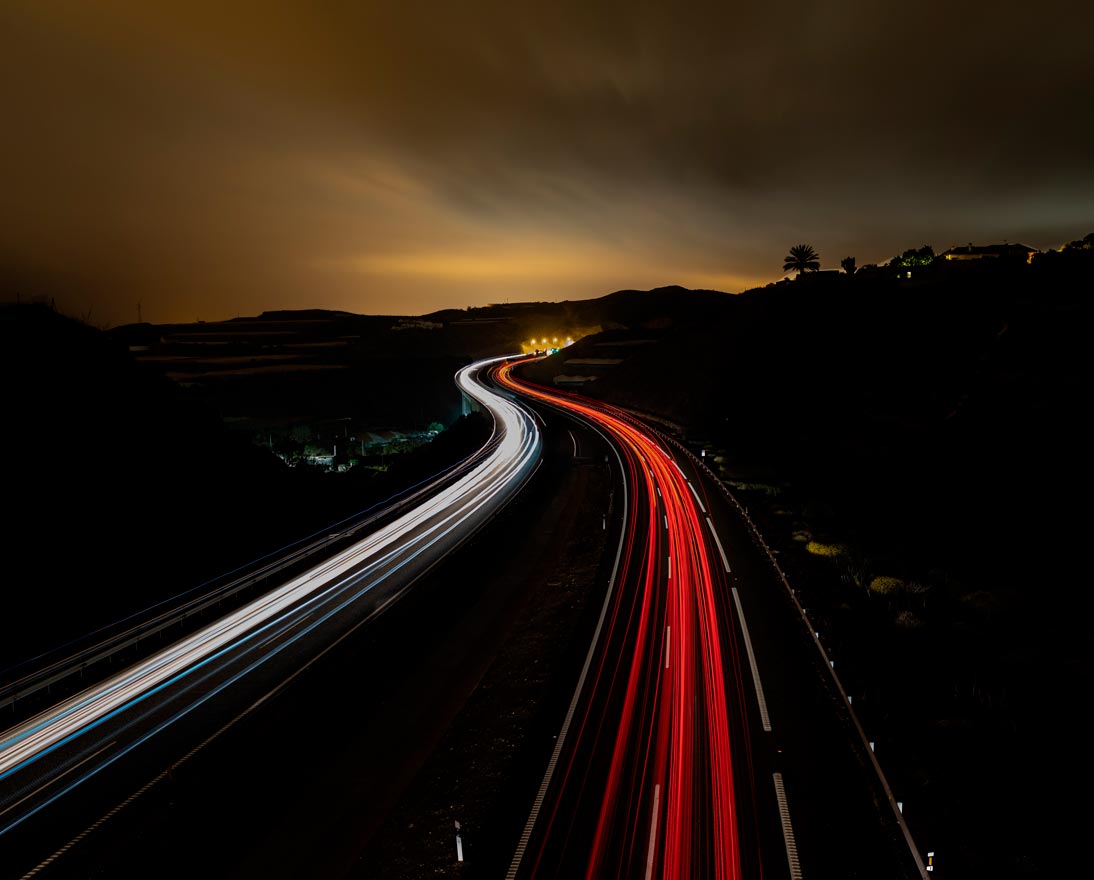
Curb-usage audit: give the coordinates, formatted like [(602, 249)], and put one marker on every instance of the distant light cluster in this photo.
[(546, 344)]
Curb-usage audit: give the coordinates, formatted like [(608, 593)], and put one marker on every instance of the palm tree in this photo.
[(802, 258), (848, 264)]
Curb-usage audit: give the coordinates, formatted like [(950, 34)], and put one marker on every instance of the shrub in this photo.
[(883, 585), (764, 488), (819, 549), (909, 620), (855, 570)]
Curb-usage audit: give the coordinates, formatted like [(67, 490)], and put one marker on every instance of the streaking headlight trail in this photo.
[(49, 754)]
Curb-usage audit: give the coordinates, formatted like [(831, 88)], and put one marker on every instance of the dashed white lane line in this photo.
[(718, 541), (698, 500), (653, 831), (788, 829), (764, 717)]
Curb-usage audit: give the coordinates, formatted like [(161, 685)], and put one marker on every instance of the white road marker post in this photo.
[(653, 831), (459, 844)]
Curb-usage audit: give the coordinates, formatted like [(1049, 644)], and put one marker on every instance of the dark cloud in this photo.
[(209, 159)]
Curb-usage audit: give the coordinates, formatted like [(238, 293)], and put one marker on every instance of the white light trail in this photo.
[(506, 461)]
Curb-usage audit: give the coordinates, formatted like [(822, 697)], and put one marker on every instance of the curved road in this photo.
[(218, 672), (704, 738), (653, 766)]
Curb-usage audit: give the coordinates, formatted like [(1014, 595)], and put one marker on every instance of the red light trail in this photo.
[(658, 792)]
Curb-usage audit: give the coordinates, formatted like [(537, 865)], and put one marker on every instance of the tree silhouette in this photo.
[(1080, 244), (802, 258), (913, 257), (848, 265)]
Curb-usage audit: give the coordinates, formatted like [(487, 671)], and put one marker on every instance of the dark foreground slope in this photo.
[(123, 488)]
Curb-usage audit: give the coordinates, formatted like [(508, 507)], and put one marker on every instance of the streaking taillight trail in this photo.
[(665, 804), (50, 754)]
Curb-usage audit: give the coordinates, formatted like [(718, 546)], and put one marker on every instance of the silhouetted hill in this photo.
[(630, 308), (394, 371), (123, 487), (874, 392)]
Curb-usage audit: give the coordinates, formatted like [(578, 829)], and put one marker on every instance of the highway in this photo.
[(57, 767), (703, 738), (654, 764)]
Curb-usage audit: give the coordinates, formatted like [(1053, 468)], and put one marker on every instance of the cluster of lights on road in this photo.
[(546, 344)]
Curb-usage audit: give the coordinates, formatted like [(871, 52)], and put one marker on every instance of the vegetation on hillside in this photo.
[(802, 258), (124, 488)]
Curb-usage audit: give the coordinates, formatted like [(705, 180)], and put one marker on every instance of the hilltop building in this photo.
[(990, 252)]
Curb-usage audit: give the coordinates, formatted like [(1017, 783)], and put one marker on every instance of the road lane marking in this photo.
[(522, 845), (668, 644), (653, 831), (718, 541), (788, 829), (698, 500), (752, 662)]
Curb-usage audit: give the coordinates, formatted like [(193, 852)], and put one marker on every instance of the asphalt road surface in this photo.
[(706, 736), (69, 770)]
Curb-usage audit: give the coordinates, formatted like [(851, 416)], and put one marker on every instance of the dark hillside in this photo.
[(118, 486), (652, 353), (123, 488), (928, 440), (290, 368), (660, 307), (870, 392)]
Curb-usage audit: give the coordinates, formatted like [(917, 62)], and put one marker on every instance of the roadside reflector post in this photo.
[(459, 844)]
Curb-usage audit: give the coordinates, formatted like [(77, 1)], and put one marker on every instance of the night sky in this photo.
[(214, 159)]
